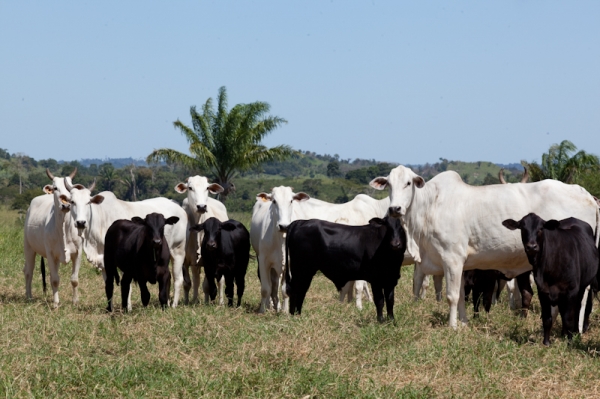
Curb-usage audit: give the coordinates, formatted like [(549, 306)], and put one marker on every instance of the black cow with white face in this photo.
[(565, 261), (373, 252), (225, 252), (138, 247)]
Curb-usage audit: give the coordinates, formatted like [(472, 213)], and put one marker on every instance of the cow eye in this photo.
[(191, 188), (407, 184), (274, 201)]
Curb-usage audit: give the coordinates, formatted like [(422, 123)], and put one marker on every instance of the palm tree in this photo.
[(559, 164), (224, 142)]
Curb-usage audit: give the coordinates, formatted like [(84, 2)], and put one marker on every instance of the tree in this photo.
[(224, 142), (559, 164), (333, 169)]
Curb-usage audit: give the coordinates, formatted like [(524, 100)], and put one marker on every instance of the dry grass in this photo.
[(332, 350)]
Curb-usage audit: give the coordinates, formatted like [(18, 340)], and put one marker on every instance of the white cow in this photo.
[(199, 207), (50, 233), (456, 227), (94, 215), (272, 214)]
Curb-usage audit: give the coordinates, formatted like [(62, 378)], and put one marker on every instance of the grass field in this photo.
[(331, 351)]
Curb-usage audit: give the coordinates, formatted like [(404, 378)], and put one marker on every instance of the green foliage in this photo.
[(559, 163), (224, 142), (333, 169)]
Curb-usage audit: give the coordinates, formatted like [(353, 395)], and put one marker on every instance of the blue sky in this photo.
[(405, 82)]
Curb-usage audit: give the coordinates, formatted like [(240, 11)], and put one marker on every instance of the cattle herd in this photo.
[(477, 238)]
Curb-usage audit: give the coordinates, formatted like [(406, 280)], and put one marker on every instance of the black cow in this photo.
[(482, 284), (373, 252), (225, 252), (565, 261), (138, 247)]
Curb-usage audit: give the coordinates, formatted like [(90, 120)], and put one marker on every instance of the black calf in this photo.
[(344, 253), (138, 247), (225, 252)]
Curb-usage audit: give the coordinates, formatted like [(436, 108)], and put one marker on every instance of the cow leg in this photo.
[(177, 262), (240, 282), (228, 282), (76, 262), (379, 300), (514, 295), (164, 288), (275, 279), (487, 297), (419, 285), (109, 287), (145, 294), (546, 316), (358, 288), (347, 291), (126, 292), (588, 309), (187, 284), (569, 313), (477, 295), (299, 291), (526, 292), (196, 283), (265, 285), (455, 293), (221, 285), (388, 293), (438, 283), (54, 279), (500, 284), (366, 291), (583, 312), (28, 269)]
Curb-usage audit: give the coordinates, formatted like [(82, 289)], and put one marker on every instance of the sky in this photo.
[(403, 82)]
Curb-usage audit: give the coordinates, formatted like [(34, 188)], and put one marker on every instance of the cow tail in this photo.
[(43, 267), (597, 226), (288, 272)]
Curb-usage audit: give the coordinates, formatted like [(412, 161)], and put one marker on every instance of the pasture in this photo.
[(331, 351)]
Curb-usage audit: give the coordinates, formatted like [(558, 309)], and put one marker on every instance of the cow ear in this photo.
[(215, 188), (377, 221), (198, 227), (228, 226), (79, 186), (172, 220), (48, 189), (418, 181), (64, 199), (301, 196), (511, 224), (97, 199), (138, 220), (551, 224), (181, 188), (379, 183), (263, 197)]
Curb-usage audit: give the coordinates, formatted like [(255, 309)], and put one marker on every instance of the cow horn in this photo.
[(72, 175), (525, 176), (50, 175), (68, 185), (91, 188), (501, 176)]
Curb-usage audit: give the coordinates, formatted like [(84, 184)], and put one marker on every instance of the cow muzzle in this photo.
[(157, 243), (395, 211), (283, 227), (211, 245), (65, 208), (395, 244), (80, 224), (201, 209), (532, 249)]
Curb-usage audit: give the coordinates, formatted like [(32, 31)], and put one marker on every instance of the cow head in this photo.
[(57, 188), (401, 183), (282, 199), (212, 231), (395, 232), (154, 224), (532, 232), (80, 201), (198, 188)]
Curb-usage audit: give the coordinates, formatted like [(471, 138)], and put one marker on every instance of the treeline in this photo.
[(326, 177)]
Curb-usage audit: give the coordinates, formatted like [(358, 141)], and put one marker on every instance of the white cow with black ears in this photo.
[(199, 206)]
